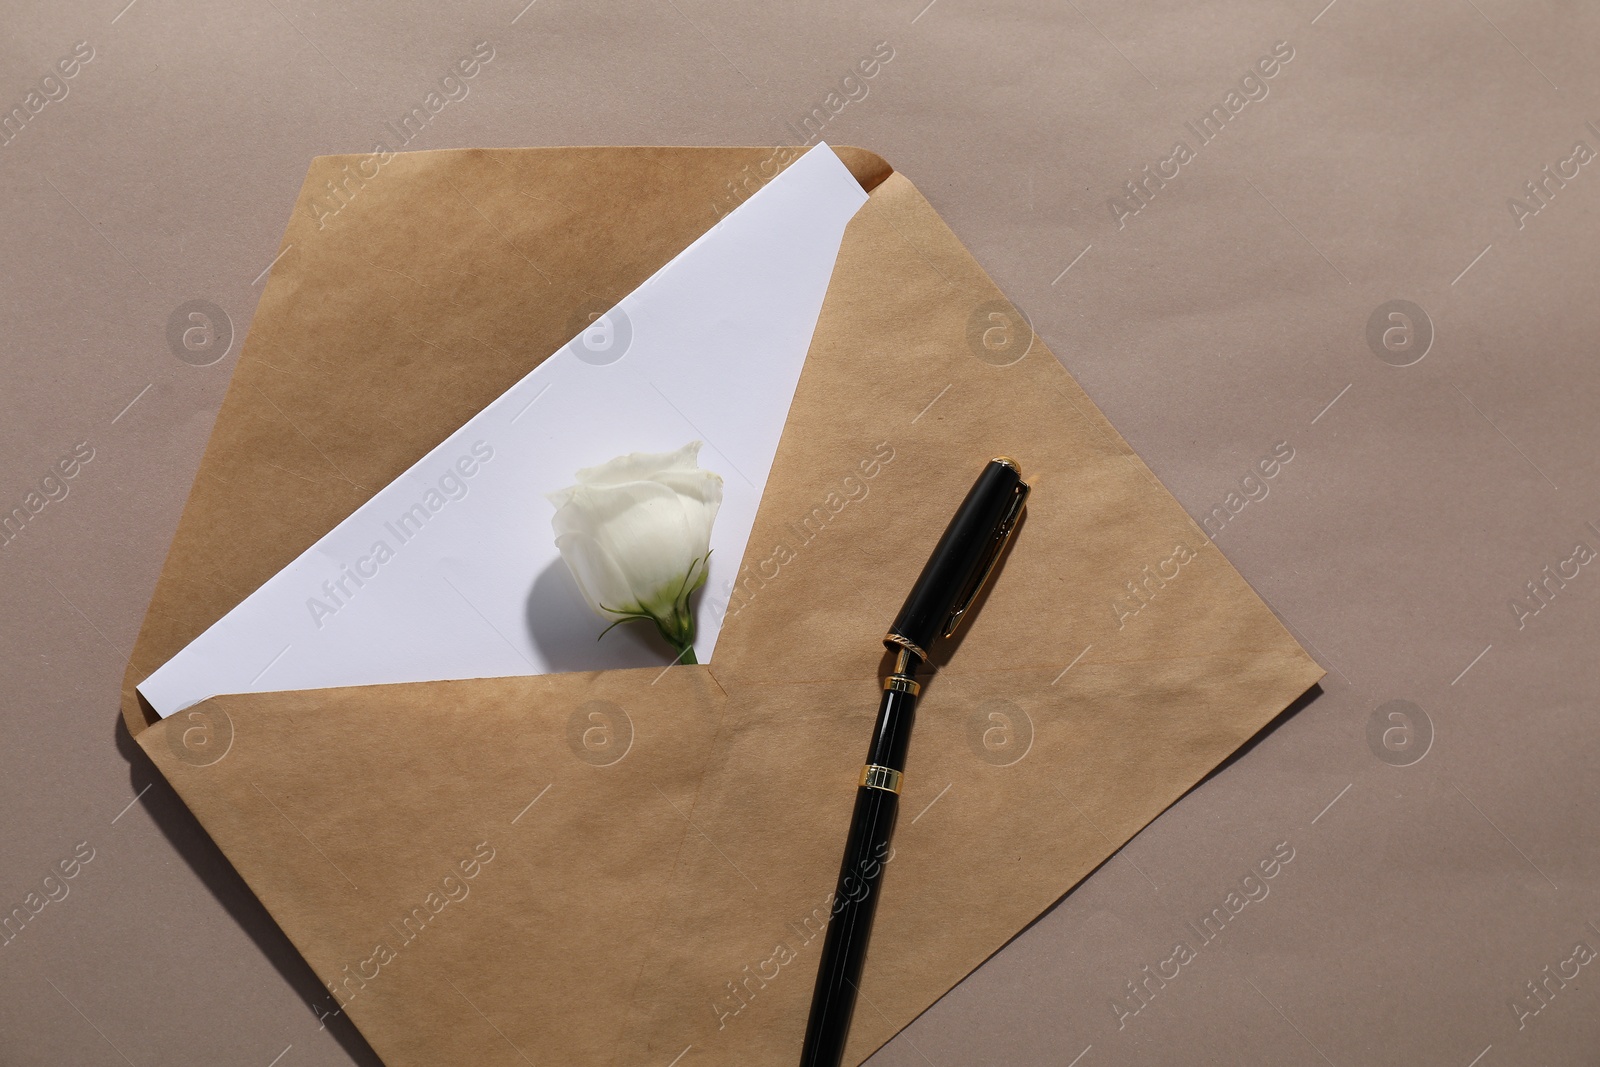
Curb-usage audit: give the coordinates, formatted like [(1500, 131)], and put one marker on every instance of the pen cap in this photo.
[(962, 559)]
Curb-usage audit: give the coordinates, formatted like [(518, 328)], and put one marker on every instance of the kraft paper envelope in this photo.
[(633, 866)]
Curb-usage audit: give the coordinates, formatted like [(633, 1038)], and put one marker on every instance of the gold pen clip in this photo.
[(1002, 534)]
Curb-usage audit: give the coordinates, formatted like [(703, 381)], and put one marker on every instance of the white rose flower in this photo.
[(636, 534)]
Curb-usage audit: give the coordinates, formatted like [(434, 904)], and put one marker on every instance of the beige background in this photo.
[(1224, 317)]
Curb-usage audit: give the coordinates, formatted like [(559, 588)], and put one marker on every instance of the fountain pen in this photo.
[(940, 600)]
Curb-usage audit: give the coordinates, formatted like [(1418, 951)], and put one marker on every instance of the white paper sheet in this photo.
[(468, 582)]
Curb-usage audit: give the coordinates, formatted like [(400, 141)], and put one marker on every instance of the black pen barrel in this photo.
[(855, 901), (946, 590)]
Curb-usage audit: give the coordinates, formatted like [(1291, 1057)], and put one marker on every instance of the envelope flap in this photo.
[(450, 852), (363, 355), (919, 372)]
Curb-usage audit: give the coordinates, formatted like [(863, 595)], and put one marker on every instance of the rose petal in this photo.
[(601, 582), (640, 466)]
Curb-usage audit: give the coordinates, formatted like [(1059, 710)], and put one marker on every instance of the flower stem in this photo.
[(686, 655)]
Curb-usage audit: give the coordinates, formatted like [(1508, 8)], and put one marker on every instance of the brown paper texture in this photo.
[(664, 842)]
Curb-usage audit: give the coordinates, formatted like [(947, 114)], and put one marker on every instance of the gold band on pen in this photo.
[(876, 776), (893, 638), (899, 683)]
